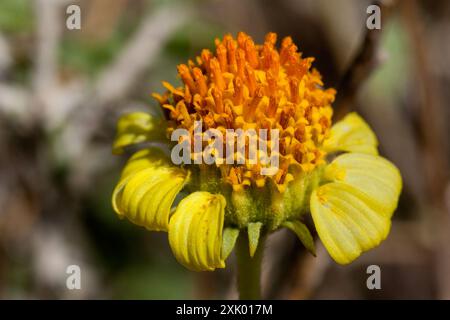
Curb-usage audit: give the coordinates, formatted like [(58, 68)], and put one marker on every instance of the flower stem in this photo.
[(249, 269)]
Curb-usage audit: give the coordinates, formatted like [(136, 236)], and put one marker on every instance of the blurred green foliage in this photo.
[(393, 75), (16, 15)]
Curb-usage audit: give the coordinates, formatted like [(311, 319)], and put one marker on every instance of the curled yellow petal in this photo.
[(147, 189), (347, 220), (135, 128), (375, 176), (352, 134), (195, 231)]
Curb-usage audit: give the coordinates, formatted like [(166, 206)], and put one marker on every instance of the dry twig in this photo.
[(364, 62)]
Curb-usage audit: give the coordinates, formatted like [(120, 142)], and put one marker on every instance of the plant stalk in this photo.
[(249, 269)]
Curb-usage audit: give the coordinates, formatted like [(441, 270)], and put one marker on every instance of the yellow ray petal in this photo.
[(147, 189), (352, 134), (135, 128), (195, 231), (348, 221), (375, 176)]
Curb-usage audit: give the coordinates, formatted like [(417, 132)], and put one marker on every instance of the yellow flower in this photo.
[(351, 197)]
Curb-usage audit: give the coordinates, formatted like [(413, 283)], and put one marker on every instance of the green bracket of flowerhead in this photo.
[(229, 238), (303, 234), (254, 232)]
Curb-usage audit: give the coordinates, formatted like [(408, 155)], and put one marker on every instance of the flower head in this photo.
[(246, 86)]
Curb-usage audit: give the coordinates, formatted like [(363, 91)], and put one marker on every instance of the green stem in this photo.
[(249, 269)]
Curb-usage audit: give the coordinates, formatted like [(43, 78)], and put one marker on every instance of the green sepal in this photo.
[(230, 236), (303, 234), (254, 232)]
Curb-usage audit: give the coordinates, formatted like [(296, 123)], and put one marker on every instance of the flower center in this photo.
[(247, 86)]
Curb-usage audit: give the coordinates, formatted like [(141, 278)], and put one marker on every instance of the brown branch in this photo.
[(116, 81), (86, 115), (5, 55), (364, 62), (49, 32), (434, 142)]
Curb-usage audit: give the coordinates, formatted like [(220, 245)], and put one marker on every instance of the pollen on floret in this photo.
[(243, 85)]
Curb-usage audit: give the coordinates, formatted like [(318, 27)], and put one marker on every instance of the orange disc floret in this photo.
[(248, 86)]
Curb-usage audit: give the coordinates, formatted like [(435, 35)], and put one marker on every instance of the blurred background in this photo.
[(61, 92)]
